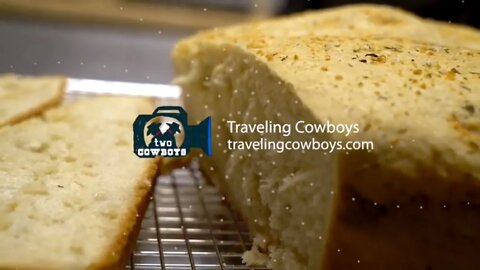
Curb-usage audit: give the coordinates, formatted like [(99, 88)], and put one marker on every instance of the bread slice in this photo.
[(72, 192), (23, 96), (410, 203)]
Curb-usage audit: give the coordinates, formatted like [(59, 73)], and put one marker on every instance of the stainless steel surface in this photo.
[(95, 87), (262, 8), (239, 5), (87, 51), (189, 225)]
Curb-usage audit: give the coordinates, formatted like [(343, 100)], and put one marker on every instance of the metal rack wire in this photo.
[(189, 225)]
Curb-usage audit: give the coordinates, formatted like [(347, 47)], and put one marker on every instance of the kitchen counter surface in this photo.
[(87, 51)]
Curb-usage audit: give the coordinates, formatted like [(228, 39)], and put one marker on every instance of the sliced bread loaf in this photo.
[(411, 203), (71, 190), (22, 96)]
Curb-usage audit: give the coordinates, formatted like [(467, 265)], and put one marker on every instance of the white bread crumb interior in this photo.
[(71, 189)]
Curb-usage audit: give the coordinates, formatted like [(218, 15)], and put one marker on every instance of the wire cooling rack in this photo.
[(189, 225)]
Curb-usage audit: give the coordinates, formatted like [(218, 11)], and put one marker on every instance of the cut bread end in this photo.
[(22, 97)]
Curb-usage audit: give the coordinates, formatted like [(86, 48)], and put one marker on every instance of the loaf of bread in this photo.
[(411, 85), (368, 21), (22, 97), (72, 192)]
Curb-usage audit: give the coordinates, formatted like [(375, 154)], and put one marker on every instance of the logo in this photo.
[(166, 133)]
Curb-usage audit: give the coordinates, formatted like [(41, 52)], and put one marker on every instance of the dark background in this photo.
[(466, 12)]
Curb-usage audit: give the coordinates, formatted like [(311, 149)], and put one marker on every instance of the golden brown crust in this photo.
[(41, 107), (360, 20)]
